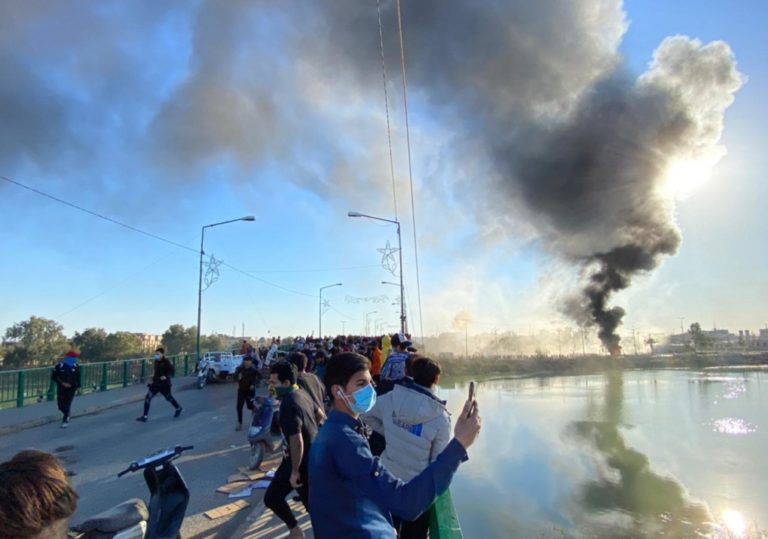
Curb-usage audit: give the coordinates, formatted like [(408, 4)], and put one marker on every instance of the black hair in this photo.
[(425, 371), (161, 350), (299, 359), (342, 367), (285, 372)]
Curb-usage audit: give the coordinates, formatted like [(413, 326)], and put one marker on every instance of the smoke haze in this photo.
[(550, 128)]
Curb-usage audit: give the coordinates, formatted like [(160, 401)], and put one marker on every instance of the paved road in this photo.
[(97, 447)]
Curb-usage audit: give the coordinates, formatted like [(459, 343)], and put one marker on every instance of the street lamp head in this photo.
[(354, 214), (248, 218), (338, 284)]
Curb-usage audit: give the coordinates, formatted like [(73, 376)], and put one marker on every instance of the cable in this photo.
[(315, 270), (71, 205), (410, 167), (386, 107), (149, 234)]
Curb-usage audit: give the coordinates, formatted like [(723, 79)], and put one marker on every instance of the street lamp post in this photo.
[(403, 321), (200, 280), (320, 309), (367, 323)]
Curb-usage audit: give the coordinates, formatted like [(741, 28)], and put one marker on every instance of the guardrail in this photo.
[(444, 522), (27, 386)]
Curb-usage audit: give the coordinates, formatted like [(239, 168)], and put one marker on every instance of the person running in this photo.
[(247, 377), (66, 375), (353, 495), (416, 427), (161, 383), (36, 499), (299, 426)]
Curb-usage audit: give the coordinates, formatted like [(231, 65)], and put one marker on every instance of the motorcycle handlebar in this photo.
[(160, 457)]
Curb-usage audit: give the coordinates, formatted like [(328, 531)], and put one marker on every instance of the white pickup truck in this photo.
[(216, 366)]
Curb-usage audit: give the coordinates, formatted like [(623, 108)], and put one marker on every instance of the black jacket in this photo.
[(69, 374), (163, 367), (247, 378)]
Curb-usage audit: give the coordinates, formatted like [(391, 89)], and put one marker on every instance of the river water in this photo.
[(620, 455)]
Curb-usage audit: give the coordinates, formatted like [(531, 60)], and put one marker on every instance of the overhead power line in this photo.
[(145, 233)]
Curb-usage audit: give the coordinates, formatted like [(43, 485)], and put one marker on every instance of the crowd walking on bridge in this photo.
[(368, 444)]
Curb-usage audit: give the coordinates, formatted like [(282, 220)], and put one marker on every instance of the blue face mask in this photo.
[(365, 399), (157, 357)]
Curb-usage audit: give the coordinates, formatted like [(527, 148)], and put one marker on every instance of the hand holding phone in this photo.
[(471, 399)]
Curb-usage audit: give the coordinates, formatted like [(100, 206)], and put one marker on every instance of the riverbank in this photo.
[(591, 364)]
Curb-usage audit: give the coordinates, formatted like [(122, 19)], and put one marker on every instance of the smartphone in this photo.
[(471, 398)]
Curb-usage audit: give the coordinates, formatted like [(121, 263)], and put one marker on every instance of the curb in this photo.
[(90, 410)]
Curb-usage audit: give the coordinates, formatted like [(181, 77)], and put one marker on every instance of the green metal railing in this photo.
[(444, 522), (27, 386)]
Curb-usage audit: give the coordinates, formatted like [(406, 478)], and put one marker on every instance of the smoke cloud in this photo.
[(541, 113)]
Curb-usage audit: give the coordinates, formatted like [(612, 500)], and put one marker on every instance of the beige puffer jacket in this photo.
[(417, 428)]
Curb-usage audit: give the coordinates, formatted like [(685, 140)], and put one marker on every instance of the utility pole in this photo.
[(682, 319), (634, 341)]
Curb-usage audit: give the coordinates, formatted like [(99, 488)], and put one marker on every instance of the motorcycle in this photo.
[(133, 519), (264, 433)]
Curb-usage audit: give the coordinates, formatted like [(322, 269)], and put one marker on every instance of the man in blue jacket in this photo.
[(352, 494)]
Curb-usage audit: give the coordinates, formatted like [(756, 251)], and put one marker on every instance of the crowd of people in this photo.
[(369, 443)]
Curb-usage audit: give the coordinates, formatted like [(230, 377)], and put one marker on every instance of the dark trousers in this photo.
[(280, 487), (64, 397), (415, 529), (164, 390), (244, 397)]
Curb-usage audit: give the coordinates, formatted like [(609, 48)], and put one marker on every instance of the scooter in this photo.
[(264, 433), (132, 519)]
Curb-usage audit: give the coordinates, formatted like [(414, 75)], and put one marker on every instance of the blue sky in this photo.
[(170, 118)]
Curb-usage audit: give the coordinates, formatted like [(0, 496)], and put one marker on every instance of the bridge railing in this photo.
[(26, 386), (443, 521)]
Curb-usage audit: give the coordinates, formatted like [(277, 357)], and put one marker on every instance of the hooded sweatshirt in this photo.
[(416, 426)]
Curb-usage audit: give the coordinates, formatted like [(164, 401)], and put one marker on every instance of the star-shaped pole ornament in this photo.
[(388, 258), (211, 272), (326, 306)]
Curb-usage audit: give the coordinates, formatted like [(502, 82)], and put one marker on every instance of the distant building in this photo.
[(149, 343)]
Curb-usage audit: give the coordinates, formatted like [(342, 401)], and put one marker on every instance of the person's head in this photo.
[(425, 372), (298, 360), (401, 342), (282, 375), (159, 353), (348, 382), (36, 499), (247, 361), (70, 358)]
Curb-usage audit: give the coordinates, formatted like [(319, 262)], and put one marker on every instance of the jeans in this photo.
[(64, 397), (164, 390)]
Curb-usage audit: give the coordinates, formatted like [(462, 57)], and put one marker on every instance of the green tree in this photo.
[(177, 339), (34, 342), (91, 344), (212, 342), (122, 345)]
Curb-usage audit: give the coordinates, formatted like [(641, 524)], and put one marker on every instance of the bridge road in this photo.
[(96, 447)]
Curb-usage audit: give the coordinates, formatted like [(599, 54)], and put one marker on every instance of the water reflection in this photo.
[(632, 455), (640, 501)]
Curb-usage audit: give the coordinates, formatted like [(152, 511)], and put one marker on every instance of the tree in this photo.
[(122, 345), (91, 343), (177, 339), (700, 339), (212, 342), (34, 342)]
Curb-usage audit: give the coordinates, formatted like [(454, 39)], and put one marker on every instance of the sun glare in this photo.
[(735, 523), (682, 177)]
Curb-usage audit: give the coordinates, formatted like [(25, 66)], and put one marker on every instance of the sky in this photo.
[(168, 117)]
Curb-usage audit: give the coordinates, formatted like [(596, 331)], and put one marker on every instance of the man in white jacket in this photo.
[(416, 426)]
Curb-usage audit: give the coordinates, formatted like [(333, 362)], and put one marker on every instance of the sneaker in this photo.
[(178, 411), (64, 424), (239, 427), (296, 533), (143, 419)]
